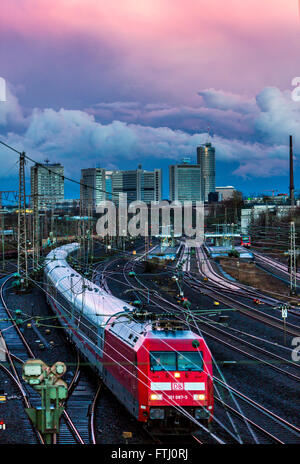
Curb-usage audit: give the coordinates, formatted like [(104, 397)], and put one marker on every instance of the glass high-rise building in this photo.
[(108, 184), (47, 181), (93, 186), (185, 182), (206, 160), (138, 184)]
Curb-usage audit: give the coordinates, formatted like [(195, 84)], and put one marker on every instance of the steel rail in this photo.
[(92, 415), (258, 406), (31, 354), (15, 377), (291, 329), (277, 418)]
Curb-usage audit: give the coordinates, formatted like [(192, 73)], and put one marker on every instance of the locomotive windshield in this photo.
[(189, 361), (176, 361)]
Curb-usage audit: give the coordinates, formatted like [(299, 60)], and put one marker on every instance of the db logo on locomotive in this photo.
[(177, 386)]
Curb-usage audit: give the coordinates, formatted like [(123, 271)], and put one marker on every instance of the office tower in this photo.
[(49, 183), (185, 182), (138, 184), (108, 184), (206, 160), (92, 188), (150, 185), (225, 193)]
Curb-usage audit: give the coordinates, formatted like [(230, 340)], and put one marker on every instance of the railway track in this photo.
[(92, 415), (77, 407), (218, 293), (81, 397), (14, 344), (274, 264), (274, 425), (242, 346), (233, 342), (177, 440), (243, 308), (281, 431), (157, 439), (206, 269)]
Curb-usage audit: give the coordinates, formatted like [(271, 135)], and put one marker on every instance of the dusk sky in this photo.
[(127, 82)]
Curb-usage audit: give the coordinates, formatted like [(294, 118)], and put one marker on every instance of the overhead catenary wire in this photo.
[(175, 405), (58, 174)]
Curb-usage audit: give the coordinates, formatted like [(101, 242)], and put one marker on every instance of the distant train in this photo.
[(162, 373), (246, 241)]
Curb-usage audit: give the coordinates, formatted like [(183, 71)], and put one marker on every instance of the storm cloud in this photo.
[(80, 139)]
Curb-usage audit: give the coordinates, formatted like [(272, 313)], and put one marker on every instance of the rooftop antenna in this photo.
[(208, 131), (292, 188)]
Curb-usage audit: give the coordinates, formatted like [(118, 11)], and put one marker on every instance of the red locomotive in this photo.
[(158, 369), (171, 374), (246, 241)]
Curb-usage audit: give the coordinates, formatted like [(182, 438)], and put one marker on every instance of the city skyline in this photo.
[(111, 96)]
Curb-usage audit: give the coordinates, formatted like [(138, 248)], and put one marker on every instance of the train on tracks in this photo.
[(159, 370), (246, 241)]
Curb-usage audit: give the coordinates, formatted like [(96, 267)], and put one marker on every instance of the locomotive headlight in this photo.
[(177, 375), (155, 396), (199, 397)]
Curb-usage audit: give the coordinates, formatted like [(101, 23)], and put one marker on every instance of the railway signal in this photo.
[(2, 425), (284, 314), (53, 390), (293, 260)]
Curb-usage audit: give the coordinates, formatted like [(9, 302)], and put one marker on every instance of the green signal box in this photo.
[(53, 390), (47, 422)]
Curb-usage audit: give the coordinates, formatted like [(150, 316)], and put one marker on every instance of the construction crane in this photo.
[(272, 190)]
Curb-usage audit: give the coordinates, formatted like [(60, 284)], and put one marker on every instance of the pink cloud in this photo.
[(173, 45)]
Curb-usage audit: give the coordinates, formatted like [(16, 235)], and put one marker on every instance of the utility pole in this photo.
[(22, 224), (46, 232), (82, 226), (267, 219), (52, 198), (90, 253), (3, 243), (292, 188), (293, 260), (36, 224), (232, 236), (146, 246)]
